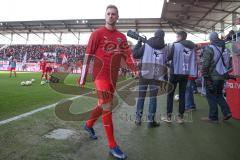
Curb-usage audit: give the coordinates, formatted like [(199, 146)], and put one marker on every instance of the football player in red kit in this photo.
[(43, 65), (49, 70), (108, 46)]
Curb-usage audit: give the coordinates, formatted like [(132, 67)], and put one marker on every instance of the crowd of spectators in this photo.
[(37, 52)]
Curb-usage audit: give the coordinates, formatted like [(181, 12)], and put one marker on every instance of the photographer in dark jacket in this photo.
[(152, 70), (214, 71)]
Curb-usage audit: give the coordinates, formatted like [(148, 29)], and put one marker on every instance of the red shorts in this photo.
[(43, 70), (105, 90), (12, 69), (48, 69)]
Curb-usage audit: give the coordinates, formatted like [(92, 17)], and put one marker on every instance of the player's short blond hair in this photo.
[(112, 6)]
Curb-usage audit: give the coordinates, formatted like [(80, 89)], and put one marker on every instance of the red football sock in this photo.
[(95, 114), (108, 125), (46, 76)]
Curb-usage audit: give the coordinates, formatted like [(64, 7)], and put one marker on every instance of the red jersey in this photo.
[(43, 65), (109, 47)]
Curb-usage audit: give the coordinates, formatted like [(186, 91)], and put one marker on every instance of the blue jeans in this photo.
[(143, 86), (215, 98), (189, 98), (194, 86), (182, 81)]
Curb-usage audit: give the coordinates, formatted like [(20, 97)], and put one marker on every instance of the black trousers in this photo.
[(181, 80)]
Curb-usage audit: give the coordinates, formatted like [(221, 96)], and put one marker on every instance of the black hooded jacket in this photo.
[(154, 42)]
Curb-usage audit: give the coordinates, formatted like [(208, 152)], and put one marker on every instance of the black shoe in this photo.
[(153, 124), (190, 109), (207, 119), (193, 108), (225, 118), (138, 122), (167, 119), (195, 92)]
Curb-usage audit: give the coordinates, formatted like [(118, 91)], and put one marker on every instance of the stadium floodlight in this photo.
[(84, 21)]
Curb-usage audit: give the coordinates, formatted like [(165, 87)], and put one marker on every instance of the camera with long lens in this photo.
[(136, 36)]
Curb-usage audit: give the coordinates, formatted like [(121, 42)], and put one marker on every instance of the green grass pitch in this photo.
[(24, 139), (16, 99)]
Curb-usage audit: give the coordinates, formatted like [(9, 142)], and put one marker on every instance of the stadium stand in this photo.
[(36, 52)]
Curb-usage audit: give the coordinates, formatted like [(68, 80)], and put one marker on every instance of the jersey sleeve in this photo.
[(130, 62), (129, 56), (92, 43), (91, 49)]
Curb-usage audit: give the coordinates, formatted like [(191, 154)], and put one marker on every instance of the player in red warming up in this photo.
[(108, 46), (43, 65)]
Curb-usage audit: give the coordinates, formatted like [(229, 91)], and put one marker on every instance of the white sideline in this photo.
[(35, 111), (40, 109)]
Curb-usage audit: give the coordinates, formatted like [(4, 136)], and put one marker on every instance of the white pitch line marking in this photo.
[(35, 111), (38, 110)]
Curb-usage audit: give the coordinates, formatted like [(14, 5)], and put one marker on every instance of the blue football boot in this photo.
[(117, 153), (90, 131)]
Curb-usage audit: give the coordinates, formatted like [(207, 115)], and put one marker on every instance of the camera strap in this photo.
[(220, 57)]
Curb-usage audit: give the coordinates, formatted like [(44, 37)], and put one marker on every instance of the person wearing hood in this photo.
[(153, 54), (214, 71), (183, 64)]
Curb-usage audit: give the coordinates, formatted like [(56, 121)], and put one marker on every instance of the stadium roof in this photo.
[(201, 15), (51, 26), (190, 15)]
